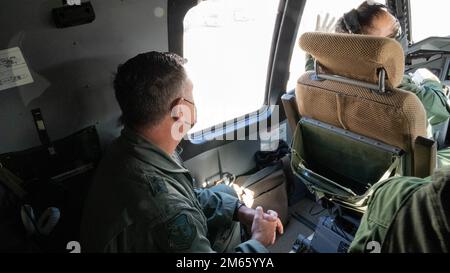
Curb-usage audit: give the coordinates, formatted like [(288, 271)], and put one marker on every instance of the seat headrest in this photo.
[(354, 56)]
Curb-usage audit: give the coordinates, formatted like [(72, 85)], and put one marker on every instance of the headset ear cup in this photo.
[(28, 219), (351, 22), (48, 220)]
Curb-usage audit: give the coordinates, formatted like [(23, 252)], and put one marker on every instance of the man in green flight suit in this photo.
[(407, 215), (142, 198)]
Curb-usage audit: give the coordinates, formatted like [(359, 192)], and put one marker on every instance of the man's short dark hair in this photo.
[(146, 85)]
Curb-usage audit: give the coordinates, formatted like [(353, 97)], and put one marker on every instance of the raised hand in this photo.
[(325, 26)]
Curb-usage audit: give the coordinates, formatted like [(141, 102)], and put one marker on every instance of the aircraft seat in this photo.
[(353, 127)]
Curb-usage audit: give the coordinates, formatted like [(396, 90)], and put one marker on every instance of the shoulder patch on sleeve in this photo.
[(157, 185), (181, 232)]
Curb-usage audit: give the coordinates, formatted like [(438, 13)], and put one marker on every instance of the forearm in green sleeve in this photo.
[(218, 207)]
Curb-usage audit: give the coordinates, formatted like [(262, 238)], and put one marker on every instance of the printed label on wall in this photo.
[(13, 69)]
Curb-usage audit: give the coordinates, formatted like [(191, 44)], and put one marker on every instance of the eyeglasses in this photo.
[(193, 104), (176, 101), (188, 101)]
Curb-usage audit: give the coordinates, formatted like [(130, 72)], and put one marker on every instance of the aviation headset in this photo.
[(45, 224), (351, 22), (353, 26), (351, 18)]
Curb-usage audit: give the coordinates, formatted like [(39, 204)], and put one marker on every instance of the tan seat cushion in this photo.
[(396, 118), (357, 57)]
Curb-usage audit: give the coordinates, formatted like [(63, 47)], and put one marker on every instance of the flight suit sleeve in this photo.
[(422, 225), (387, 199), (431, 94), (309, 65), (218, 204), (184, 232), (181, 226), (181, 232)]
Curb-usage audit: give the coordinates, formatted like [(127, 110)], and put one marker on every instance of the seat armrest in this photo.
[(425, 157), (291, 110)]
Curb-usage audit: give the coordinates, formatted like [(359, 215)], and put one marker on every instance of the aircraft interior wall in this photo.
[(72, 68)]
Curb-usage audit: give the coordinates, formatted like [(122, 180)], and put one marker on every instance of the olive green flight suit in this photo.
[(143, 200), (432, 96), (407, 215)]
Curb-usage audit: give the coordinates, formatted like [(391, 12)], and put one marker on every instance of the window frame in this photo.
[(286, 24), (402, 10)]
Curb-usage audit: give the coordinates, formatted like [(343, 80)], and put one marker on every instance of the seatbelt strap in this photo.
[(258, 176), (290, 178), (390, 171), (286, 162)]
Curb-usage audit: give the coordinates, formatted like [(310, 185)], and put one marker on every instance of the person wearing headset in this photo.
[(407, 214), (372, 18)]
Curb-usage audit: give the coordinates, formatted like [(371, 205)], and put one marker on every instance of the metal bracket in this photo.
[(382, 81), (379, 88)]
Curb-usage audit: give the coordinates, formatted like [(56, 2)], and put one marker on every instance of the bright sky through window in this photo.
[(227, 44)]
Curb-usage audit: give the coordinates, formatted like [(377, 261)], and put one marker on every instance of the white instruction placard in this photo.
[(13, 69)]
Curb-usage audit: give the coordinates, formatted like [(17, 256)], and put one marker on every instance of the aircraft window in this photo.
[(429, 18), (308, 23), (227, 44)]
